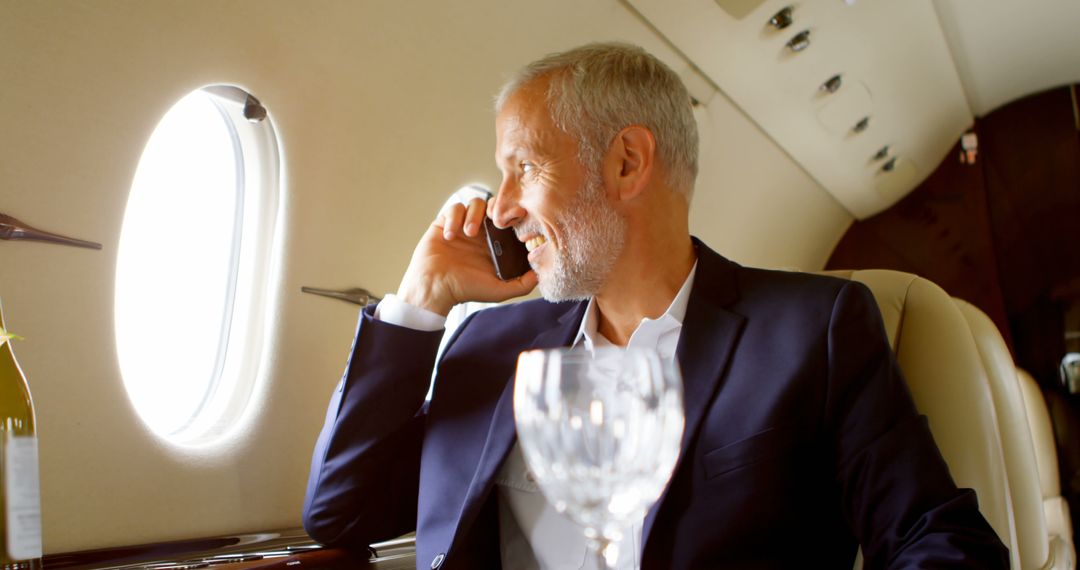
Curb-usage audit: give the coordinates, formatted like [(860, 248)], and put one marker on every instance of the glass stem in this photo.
[(607, 552)]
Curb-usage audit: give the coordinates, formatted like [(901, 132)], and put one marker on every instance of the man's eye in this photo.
[(527, 167)]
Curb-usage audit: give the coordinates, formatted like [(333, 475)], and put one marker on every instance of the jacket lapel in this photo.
[(501, 432), (709, 334)]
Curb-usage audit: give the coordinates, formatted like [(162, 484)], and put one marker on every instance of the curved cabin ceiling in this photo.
[(1007, 49), (915, 73)]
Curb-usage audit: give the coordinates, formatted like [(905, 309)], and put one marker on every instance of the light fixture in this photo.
[(800, 42), (969, 148), (781, 19), (889, 166), (832, 84), (1070, 372), (882, 153), (861, 125)]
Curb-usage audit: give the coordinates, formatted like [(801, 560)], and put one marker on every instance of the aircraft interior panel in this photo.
[(832, 133), (381, 110), (1006, 50)]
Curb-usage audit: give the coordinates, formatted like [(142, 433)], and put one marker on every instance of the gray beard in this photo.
[(594, 235)]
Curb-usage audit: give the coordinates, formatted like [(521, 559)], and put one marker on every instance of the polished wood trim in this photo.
[(284, 550)]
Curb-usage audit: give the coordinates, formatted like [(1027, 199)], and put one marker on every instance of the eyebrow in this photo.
[(515, 150), (535, 142)]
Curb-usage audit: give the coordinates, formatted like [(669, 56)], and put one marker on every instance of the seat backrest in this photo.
[(943, 368), (1042, 434), (1055, 507), (1025, 490)]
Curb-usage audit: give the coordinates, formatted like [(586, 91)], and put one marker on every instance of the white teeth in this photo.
[(535, 243)]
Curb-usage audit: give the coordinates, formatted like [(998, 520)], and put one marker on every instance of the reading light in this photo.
[(781, 19), (800, 42), (889, 166), (832, 84), (861, 125), (881, 154)]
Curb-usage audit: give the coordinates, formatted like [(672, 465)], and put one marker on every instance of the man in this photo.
[(801, 439)]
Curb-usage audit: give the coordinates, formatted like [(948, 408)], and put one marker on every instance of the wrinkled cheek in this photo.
[(548, 264)]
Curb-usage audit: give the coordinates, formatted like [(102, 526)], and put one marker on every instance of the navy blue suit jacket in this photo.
[(801, 438)]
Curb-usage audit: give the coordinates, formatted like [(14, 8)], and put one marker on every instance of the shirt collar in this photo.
[(647, 333)]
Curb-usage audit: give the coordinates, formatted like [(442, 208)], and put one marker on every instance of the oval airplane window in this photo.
[(193, 264)]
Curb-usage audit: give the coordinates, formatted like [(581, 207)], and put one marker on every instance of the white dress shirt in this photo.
[(533, 535)]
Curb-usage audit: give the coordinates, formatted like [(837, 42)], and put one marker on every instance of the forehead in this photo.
[(524, 126)]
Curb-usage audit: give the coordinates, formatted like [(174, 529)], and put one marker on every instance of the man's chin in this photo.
[(558, 292), (547, 291)]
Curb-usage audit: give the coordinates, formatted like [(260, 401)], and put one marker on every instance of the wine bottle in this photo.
[(20, 500)]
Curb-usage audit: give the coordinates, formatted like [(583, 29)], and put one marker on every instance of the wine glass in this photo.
[(601, 433)]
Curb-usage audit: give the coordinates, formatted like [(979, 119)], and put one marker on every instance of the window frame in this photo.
[(237, 366)]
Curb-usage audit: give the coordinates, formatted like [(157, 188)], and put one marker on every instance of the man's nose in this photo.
[(504, 209)]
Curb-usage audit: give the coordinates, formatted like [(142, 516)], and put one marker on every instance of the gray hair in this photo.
[(598, 89)]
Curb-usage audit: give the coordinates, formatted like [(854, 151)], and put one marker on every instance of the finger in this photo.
[(497, 291), (528, 281), (440, 218), (474, 216), (452, 220), (520, 285)]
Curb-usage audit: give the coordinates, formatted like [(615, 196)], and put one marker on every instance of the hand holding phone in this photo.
[(509, 255), (448, 265)]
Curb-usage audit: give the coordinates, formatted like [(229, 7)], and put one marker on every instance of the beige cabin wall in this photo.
[(382, 109), (755, 205)]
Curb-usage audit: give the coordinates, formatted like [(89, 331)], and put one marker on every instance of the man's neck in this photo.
[(643, 285)]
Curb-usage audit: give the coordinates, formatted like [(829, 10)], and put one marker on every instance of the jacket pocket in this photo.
[(756, 448)]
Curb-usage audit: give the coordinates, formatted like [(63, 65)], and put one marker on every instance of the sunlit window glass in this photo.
[(181, 294)]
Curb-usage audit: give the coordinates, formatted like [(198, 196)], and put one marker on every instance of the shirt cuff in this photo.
[(394, 311)]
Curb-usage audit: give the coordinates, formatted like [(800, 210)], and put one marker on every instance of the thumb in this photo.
[(525, 283), (515, 287)]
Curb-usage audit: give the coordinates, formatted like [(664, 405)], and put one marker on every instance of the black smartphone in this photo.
[(509, 255)]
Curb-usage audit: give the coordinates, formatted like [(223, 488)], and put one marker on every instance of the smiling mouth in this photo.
[(535, 243)]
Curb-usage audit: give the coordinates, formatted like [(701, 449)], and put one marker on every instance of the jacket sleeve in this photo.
[(898, 495), (365, 468)]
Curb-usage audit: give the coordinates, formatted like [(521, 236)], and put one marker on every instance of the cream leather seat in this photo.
[(1025, 488), (944, 370), (1055, 507)]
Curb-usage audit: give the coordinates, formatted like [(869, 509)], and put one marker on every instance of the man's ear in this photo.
[(630, 162)]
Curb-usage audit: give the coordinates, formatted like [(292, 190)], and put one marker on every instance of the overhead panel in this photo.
[(846, 108), (897, 86), (1007, 50), (739, 9)]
